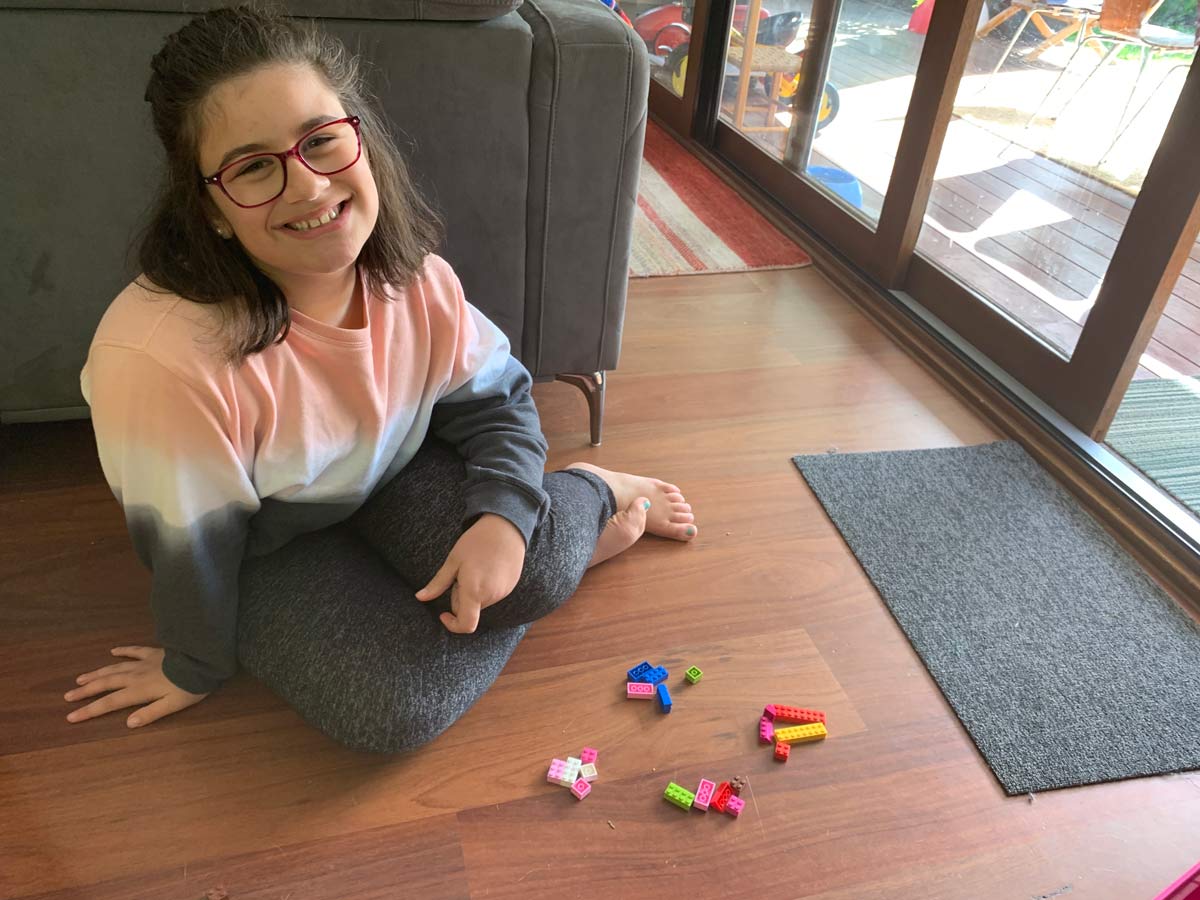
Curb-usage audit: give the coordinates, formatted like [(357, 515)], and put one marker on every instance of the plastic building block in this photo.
[(735, 806), (639, 690), (558, 773), (1186, 887), (724, 792), (736, 784), (782, 751), (588, 755), (693, 674), (798, 734), (636, 673), (766, 730), (680, 796), (588, 772), (704, 794), (657, 675), (664, 698), (581, 789), (797, 714), (769, 711)]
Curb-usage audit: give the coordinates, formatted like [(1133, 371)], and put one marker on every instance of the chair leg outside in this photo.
[(592, 386), (1007, 50), (1146, 53), (1123, 128), (1033, 115)]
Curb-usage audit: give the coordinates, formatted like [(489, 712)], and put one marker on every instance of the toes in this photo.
[(675, 496), (681, 507), (685, 532), (683, 517)]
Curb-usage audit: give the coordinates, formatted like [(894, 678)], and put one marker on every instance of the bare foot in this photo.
[(621, 532), (669, 516)]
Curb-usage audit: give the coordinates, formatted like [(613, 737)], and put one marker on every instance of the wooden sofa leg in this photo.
[(593, 388)]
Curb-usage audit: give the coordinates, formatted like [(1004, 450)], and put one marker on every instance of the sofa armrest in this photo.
[(588, 95)]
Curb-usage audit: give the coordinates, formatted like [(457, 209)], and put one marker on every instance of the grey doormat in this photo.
[(1064, 661), (1157, 428)]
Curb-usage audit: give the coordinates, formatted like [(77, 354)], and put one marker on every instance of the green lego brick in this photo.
[(693, 674), (680, 796)]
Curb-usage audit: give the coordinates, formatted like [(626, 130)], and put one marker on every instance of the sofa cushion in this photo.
[(441, 10)]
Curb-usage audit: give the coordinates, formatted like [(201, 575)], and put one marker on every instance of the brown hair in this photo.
[(179, 250)]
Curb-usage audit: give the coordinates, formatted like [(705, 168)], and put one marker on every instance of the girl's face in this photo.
[(269, 107)]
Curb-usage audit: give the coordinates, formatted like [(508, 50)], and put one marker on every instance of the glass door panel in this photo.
[(871, 69), (1045, 154)]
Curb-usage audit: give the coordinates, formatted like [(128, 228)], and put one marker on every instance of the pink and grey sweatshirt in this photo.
[(214, 463)]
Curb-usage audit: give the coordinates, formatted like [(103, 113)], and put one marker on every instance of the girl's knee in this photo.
[(380, 727)]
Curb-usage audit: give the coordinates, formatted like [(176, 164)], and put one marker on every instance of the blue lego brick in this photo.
[(664, 698), (638, 671), (656, 675)]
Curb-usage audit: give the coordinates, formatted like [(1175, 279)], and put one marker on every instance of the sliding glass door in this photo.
[(1029, 177)]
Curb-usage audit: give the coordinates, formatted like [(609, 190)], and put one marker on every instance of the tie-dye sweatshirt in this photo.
[(214, 463)]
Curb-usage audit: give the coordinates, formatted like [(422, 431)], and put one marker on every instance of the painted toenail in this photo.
[(646, 505), (690, 530)]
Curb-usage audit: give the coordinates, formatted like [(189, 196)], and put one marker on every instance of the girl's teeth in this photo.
[(315, 223)]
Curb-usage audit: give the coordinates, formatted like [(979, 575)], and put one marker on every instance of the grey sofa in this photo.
[(523, 123)]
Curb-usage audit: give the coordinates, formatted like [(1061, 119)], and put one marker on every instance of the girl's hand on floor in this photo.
[(483, 568), (140, 680)]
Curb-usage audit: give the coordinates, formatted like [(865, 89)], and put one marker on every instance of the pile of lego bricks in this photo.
[(576, 773), (646, 682), (725, 797), (811, 727)]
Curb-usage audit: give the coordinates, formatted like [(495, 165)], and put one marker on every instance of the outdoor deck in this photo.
[(1029, 231)]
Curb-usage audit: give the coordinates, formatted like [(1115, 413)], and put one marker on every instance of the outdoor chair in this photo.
[(1078, 15), (1125, 23)]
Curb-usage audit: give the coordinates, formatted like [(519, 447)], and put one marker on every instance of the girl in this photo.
[(327, 457)]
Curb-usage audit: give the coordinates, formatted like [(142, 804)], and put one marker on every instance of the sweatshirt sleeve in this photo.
[(487, 412), (166, 452)]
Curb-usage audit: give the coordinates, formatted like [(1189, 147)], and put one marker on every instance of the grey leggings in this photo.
[(331, 624)]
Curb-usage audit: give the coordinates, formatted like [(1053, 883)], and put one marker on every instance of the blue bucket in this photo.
[(840, 182)]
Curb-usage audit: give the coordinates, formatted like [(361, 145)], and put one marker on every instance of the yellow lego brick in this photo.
[(798, 734)]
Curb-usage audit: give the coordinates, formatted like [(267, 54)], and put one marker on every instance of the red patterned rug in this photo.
[(689, 221)]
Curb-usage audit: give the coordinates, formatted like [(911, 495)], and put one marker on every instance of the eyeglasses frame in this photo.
[(354, 121)]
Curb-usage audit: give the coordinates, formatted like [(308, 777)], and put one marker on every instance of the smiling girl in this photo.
[(327, 457)]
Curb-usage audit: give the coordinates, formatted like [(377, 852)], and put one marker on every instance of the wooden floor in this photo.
[(1030, 233), (722, 379)]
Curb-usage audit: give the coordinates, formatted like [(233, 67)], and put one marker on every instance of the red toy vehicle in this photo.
[(667, 31)]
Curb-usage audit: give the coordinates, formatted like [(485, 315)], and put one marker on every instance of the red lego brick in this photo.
[(798, 714), (724, 792), (782, 751)]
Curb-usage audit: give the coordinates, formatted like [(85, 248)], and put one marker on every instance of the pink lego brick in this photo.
[(588, 755), (558, 772), (734, 805), (766, 730), (769, 711), (1186, 887), (704, 794), (636, 690), (581, 789)]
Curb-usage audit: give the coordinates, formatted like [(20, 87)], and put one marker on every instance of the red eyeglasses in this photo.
[(261, 177)]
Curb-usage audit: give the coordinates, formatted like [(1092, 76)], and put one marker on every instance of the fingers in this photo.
[(105, 704), (465, 618), (115, 669), (136, 652), (151, 712), (441, 582)]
